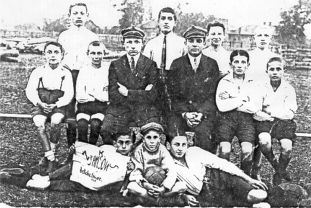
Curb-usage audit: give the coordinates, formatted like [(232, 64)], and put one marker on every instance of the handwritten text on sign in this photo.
[(94, 167)]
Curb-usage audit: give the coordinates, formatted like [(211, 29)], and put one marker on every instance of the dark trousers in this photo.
[(204, 134)]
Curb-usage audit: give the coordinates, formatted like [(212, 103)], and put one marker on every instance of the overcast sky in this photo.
[(102, 12)]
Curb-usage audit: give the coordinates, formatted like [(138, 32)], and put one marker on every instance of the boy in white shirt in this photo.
[(75, 41), (92, 94), (236, 102), (216, 35), (276, 118), (50, 89), (257, 71)]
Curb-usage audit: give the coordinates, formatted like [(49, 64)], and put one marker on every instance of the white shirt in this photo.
[(238, 91), (93, 81), (282, 103), (51, 79), (195, 64), (175, 48), (75, 41), (197, 161), (222, 56), (258, 60)]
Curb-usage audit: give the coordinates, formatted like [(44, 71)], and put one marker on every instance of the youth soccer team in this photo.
[(172, 87)]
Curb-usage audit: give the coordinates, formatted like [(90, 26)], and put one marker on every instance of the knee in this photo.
[(83, 124), (95, 123), (225, 148), (247, 150), (134, 188), (264, 139), (56, 118), (256, 196), (286, 146), (39, 122)]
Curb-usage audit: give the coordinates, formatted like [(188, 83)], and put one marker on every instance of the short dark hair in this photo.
[(77, 4), (93, 43), (278, 59), (239, 53), (130, 134), (54, 44), (167, 10), (216, 24)]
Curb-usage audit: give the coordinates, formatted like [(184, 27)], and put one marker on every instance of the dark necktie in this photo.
[(132, 64), (163, 58)]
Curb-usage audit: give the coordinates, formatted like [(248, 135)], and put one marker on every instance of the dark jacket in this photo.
[(138, 98), (192, 91)]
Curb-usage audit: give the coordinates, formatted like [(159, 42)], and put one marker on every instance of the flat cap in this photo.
[(195, 32), (151, 126), (132, 32)]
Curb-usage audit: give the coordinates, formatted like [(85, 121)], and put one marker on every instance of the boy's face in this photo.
[(124, 144), (96, 54), (263, 38), (166, 22), (216, 35), (78, 15), (133, 46), (53, 54), (178, 146), (239, 65), (275, 71), (195, 46), (152, 140)]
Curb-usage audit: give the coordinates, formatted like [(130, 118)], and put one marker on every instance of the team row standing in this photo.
[(183, 89)]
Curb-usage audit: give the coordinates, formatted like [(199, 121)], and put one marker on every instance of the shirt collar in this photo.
[(136, 57), (47, 66)]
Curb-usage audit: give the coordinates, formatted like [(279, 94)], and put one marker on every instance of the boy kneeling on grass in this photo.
[(50, 89), (275, 119)]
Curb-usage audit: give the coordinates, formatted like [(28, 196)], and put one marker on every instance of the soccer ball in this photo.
[(155, 175)]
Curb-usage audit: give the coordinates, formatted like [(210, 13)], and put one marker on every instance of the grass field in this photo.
[(19, 145)]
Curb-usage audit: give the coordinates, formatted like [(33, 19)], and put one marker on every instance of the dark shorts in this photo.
[(119, 120), (235, 123), (91, 108), (224, 188), (39, 111), (279, 129)]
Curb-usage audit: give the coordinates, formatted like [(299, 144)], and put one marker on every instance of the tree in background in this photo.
[(58, 25), (185, 20), (291, 28), (133, 13)]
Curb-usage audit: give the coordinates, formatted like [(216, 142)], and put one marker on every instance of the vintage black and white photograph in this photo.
[(155, 103)]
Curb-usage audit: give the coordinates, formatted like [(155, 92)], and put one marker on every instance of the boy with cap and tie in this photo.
[(192, 82), (216, 35), (132, 87)]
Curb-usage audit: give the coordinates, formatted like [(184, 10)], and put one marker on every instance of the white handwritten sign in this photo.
[(94, 167)]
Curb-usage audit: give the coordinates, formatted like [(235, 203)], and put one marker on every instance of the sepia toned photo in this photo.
[(155, 103)]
